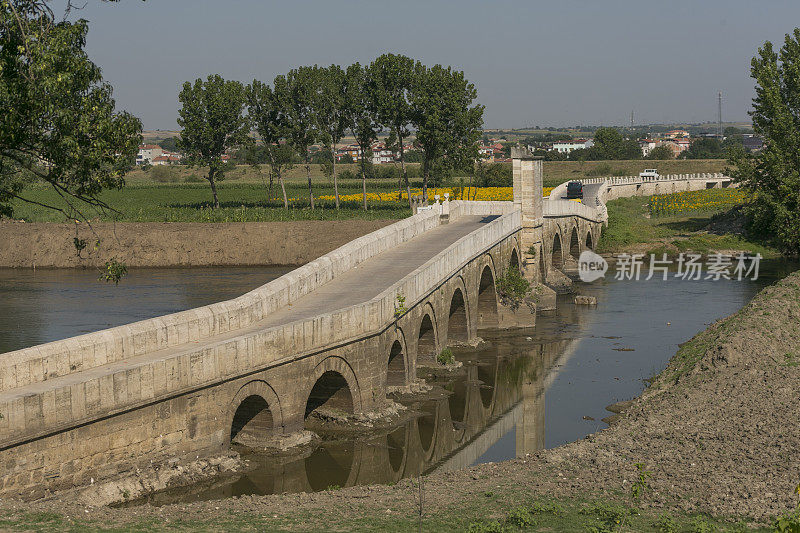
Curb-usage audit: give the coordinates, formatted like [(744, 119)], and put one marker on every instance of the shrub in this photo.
[(513, 287), (163, 174), (446, 357)]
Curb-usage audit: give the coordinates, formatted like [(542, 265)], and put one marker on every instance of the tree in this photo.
[(213, 122), (169, 143), (269, 120), (390, 80), (609, 143), (295, 95), (362, 118), (448, 125), (330, 113), (660, 152), (704, 148), (57, 117), (774, 172)]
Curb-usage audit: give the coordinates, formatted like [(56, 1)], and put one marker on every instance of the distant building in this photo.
[(147, 153), (676, 134), (351, 150), (565, 147), (486, 153), (168, 158), (752, 143), (677, 145), (647, 146), (382, 154)]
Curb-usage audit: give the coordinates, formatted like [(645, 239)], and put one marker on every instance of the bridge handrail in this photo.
[(39, 363), (624, 180), (560, 190)]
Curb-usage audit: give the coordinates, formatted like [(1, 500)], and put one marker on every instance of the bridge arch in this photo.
[(557, 260), (335, 388), (254, 414), (574, 243), (427, 339), (513, 262), (397, 365), (589, 240), (457, 320), (487, 300)]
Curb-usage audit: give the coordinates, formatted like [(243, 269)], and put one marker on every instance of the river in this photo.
[(519, 391)]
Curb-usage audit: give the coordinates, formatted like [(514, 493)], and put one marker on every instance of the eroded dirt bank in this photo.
[(153, 244), (718, 430)]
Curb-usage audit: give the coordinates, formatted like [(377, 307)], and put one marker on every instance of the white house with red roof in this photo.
[(147, 153)]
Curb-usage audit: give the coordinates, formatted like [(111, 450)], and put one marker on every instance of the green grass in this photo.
[(628, 226), (484, 512), (191, 202)]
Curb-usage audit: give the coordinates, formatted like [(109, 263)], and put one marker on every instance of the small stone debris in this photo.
[(585, 300)]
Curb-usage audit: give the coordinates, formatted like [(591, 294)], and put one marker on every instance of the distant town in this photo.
[(674, 143)]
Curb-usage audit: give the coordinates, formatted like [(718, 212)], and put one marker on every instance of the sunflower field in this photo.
[(694, 201), (456, 193)]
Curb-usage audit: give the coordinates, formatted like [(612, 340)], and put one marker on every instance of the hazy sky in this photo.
[(552, 63)]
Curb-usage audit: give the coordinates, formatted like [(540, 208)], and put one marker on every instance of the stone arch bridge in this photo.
[(333, 336)]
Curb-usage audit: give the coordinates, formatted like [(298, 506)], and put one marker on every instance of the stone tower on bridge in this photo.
[(528, 177)]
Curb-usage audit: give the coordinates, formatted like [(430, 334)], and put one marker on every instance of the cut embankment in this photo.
[(152, 244), (719, 427)]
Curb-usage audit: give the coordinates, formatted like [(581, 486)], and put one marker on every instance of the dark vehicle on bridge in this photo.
[(574, 190)]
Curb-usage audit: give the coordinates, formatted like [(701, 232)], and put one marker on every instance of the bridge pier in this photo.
[(528, 177)]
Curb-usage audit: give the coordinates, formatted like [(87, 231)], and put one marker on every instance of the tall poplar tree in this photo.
[(212, 121)]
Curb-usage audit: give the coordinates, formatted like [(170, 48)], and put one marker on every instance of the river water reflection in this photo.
[(520, 391)]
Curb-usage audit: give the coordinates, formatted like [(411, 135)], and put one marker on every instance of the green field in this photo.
[(180, 194), (190, 202)]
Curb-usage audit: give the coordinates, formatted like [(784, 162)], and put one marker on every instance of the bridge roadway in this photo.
[(590, 192), (358, 285)]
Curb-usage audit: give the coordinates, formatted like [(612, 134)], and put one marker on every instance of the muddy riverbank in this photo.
[(717, 430), (169, 244)]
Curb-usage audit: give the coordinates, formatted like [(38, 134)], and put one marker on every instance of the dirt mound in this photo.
[(719, 427), (153, 244)]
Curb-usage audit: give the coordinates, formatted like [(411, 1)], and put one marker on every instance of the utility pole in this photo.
[(719, 116), (631, 118)]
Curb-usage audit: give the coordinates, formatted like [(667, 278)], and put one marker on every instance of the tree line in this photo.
[(313, 105)]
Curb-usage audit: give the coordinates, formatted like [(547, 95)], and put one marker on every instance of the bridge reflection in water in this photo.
[(500, 388)]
